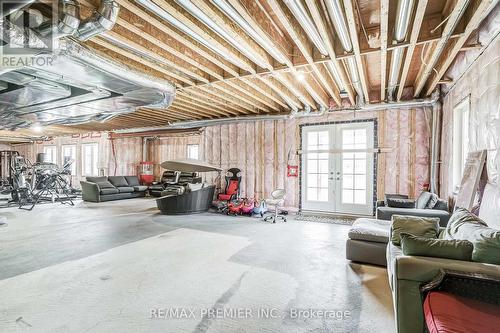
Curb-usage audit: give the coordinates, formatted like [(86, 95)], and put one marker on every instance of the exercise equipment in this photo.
[(29, 184)]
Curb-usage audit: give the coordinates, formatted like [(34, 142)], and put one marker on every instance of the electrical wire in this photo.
[(422, 57), (361, 21)]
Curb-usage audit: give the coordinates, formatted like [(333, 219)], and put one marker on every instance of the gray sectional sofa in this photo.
[(98, 189), (369, 238), (419, 207)]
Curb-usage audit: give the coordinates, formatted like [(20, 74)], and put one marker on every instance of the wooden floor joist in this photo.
[(266, 61)]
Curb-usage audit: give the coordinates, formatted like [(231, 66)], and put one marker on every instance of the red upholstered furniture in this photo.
[(232, 190), (448, 313)]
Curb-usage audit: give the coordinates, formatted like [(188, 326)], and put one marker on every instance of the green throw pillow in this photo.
[(467, 226), (413, 225), (487, 247), (439, 248)]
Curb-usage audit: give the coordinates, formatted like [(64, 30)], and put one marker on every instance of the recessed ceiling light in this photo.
[(301, 76), (36, 128)]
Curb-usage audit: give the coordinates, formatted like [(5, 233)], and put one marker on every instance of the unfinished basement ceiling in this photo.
[(230, 58)]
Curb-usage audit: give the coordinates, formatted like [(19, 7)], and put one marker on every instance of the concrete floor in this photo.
[(113, 266)]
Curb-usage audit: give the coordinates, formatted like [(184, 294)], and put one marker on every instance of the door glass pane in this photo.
[(348, 181), (354, 173), (347, 196), (323, 166), (317, 166), (360, 197), (360, 182), (360, 166), (312, 194), (323, 194), (347, 166), (312, 180)]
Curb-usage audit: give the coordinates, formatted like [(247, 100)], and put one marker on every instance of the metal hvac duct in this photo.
[(103, 20), (73, 84), (68, 20), (11, 6), (334, 8), (403, 16)]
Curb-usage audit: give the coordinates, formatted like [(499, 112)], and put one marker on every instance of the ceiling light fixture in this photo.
[(36, 128)]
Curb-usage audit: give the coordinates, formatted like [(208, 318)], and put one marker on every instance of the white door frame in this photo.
[(332, 177)]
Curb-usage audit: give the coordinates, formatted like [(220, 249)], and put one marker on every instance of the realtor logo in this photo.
[(26, 32)]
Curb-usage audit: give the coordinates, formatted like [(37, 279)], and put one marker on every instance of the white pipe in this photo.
[(148, 4), (336, 75), (335, 10), (307, 24), (293, 115), (229, 10), (400, 31), (396, 59), (435, 147), (355, 80), (402, 19), (199, 14)]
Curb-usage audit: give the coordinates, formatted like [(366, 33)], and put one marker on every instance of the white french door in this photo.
[(337, 168)]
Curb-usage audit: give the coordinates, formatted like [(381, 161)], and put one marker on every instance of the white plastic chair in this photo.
[(277, 200)]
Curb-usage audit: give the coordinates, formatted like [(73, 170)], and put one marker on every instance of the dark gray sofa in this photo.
[(440, 210), (98, 189)]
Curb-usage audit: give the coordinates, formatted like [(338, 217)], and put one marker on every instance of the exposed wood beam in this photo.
[(351, 22), (214, 40), (301, 40), (208, 99), (471, 47), (323, 29), (453, 18), (252, 93), (294, 87), (263, 89), (253, 15), (221, 98), (206, 105), (173, 63), (235, 32), (243, 95), (417, 24), (479, 9), (241, 102), (195, 112), (199, 62), (172, 76), (181, 38), (384, 27), (196, 108), (282, 90)]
